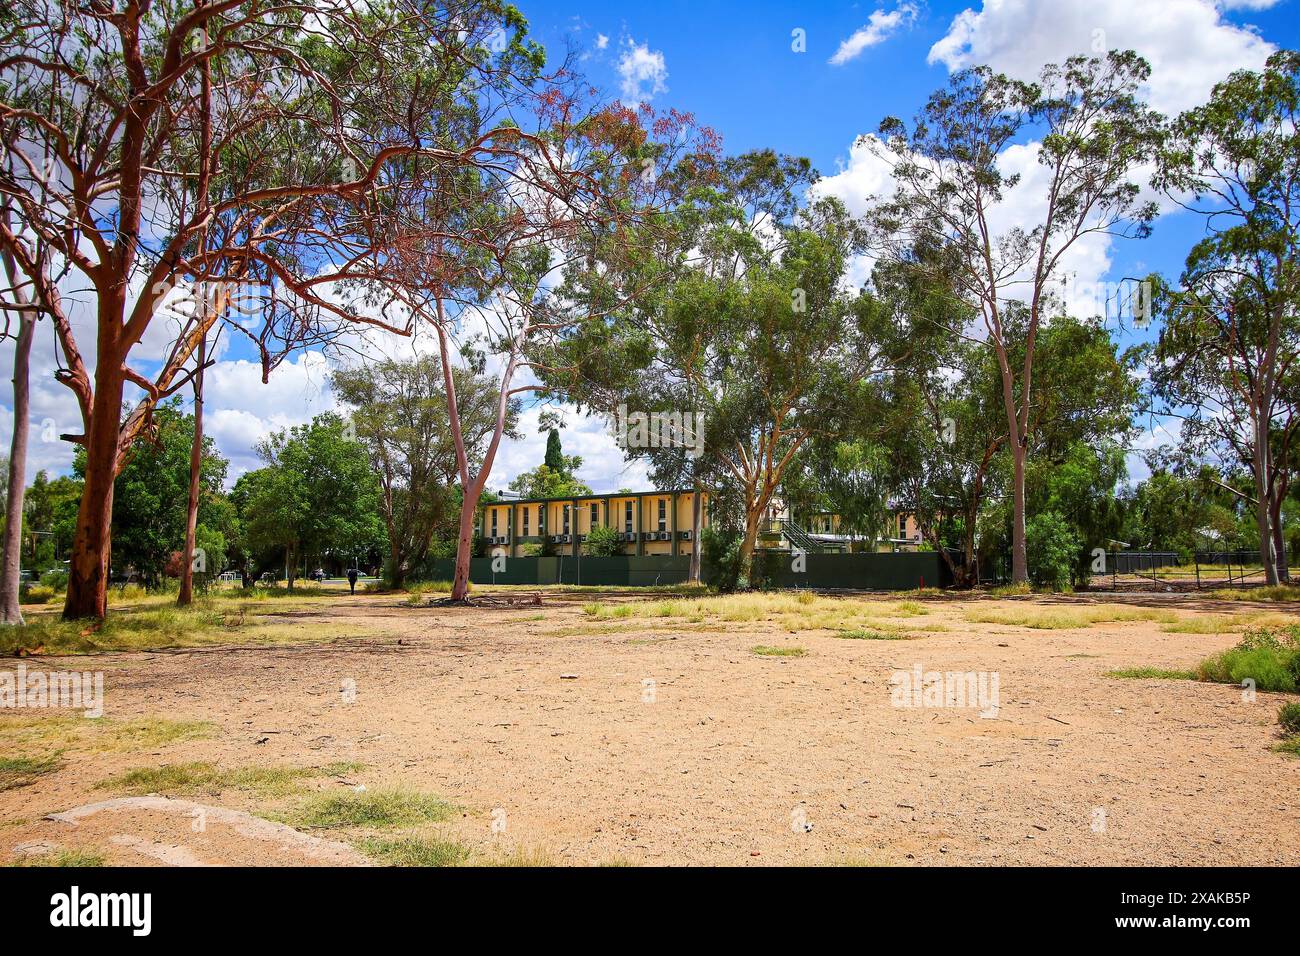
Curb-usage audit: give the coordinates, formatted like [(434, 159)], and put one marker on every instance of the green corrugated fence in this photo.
[(866, 571)]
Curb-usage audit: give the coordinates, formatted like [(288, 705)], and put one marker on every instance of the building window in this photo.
[(595, 514), (525, 522), (627, 516), (663, 515), (566, 519)]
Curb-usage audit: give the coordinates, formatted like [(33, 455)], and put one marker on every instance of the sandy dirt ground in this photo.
[(649, 741)]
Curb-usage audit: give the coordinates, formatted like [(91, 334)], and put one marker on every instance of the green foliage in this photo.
[(36, 594), (55, 578), (1171, 511), (49, 520), (543, 482), (1270, 656), (1226, 353), (400, 417), (1288, 718), (1053, 549), (317, 493), (554, 477), (151, 493), (720, 552), (603, 542), (555, 458)]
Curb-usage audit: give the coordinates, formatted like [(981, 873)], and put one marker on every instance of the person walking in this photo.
[(352, 579)]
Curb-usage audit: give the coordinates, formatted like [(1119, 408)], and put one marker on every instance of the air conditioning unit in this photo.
[(665, 536), (685, 535), (648, 535), (627, 536)]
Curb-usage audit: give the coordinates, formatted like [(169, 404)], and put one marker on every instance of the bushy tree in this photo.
[(1093, 134), (1054, 547), (317, 494), (399, 414), (554, 477), (1227, 356), (49, 519)]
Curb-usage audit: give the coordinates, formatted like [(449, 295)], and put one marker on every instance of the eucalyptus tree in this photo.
[(1227, 355), (331, 125), (747, 324), (953, 182), (399, 415), (486, 280)]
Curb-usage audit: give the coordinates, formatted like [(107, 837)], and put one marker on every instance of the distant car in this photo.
[(318, 575)]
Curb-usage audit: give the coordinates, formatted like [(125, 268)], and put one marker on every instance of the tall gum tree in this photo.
[(331, 126), (748, 322), (1093, 135), (1226, 360), (582, 184)]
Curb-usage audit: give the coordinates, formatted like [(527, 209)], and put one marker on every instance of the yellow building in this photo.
[(650, 522)]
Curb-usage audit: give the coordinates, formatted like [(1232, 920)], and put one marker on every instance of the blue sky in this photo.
[(735, 66)]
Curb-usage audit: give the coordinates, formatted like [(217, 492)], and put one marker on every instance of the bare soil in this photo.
[(661, 741)]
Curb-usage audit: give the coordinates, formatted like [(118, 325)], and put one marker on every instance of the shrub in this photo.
[(1289, 718), (130, 592), (1053, 547), (720, 550), (56, 578), (1270, 656), (603, 542), (35, 594)]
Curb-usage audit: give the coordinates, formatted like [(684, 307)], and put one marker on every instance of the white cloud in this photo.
[(1248, 4), (603, 466), (1188, 43), (643, 72), (880, 27), (602, 41)]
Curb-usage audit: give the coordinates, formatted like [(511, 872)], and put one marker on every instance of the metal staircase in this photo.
[(799, 538)]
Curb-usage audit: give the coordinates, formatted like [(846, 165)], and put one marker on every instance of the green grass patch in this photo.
[(18, 772), (763, 650), (1064, 618), (791, 611), (1288, 718), (415, 851), (1011, 590), (1151, 673), (1270, 656), (205, 778), (374, 809), (156, 623), (126, 629), (873, 635), (1277, 593), (102, 735), (1290, 747), (74, 858)]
